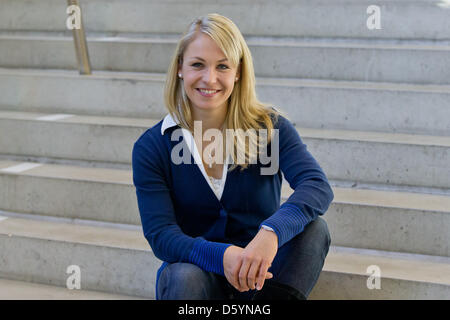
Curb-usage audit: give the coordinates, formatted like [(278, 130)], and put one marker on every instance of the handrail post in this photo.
[(79, 38)]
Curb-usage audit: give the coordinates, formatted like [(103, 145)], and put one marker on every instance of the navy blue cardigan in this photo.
[(184, 221)]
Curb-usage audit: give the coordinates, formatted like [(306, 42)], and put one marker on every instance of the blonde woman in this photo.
[(208, 180)]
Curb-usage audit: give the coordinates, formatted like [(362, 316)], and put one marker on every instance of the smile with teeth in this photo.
[(207, 93)]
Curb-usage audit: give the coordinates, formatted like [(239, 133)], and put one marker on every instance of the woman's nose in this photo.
[(210, 75)]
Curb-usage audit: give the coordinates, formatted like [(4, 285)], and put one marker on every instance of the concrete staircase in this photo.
[(373, 106)]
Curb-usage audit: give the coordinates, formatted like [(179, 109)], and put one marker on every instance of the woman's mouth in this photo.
[(207, 93)]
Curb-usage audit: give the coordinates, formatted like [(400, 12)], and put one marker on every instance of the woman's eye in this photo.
[(198, 64)]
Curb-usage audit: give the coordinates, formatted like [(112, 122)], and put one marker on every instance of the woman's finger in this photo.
[(235, 275), (262, 275), (243, 276), (251, 277)]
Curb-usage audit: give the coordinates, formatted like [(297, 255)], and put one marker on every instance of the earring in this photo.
[(179, 76), (237, 78)]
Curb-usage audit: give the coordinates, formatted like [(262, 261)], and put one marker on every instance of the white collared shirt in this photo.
[(216, 185)]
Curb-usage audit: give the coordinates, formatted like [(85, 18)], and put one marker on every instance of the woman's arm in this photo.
[(312, 193), (161, 230)]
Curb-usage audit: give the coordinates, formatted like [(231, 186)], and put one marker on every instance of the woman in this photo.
[(213, 215)]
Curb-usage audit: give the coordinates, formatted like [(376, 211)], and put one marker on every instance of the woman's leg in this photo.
[(296, 269), (298, 263), (185, 281)]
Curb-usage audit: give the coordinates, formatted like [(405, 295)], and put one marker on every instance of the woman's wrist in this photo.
[(268, 231)]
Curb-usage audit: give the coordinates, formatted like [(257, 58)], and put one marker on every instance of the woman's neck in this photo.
[(210, 119)]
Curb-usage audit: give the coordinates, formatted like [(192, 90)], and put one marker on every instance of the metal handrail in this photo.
[(81, 49)]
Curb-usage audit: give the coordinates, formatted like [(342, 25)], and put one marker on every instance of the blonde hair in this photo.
[(245, 111)]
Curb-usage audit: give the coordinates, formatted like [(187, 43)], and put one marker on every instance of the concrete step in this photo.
[(349, 274), (309, 103), (411, 19), (22, 290), (373, 157), (361, 218), (119, 262), (108, 259), (390, 220), (412, 61), (90, 138), (69, 191)]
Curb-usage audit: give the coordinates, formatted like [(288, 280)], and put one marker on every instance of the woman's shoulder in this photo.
[(151, 134), (279, 117), (150, 142)]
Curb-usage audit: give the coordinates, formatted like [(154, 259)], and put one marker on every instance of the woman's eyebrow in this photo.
[(221, 60)]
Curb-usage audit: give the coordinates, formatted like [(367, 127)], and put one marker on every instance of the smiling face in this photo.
[(208, 77)]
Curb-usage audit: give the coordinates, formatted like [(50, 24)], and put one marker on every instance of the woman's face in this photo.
[(208, 77)]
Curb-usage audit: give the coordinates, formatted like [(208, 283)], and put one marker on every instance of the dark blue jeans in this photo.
[(296, 268)]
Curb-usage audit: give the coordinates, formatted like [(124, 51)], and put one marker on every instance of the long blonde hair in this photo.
[(245, 111)]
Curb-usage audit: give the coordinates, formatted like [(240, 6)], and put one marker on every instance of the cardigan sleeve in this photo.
[(312, 193), (159, 224)]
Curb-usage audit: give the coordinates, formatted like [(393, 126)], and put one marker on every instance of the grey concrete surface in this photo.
[(417, 61), (418, 109), (402, 19), (22, 290), (372, 106), (399, 159), (360, 218), (110, 260)]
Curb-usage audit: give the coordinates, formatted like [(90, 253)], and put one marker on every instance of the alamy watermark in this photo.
[(374, 280), (214, 151), (374, 20), (74, 280), (74, 19)]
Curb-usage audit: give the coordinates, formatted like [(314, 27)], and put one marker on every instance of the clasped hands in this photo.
[(247, 268)]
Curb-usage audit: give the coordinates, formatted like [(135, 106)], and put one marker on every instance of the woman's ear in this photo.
[(180, 75), (180, 65), (238, 72)]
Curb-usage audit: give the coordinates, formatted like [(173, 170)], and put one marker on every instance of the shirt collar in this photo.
[(168, 122)]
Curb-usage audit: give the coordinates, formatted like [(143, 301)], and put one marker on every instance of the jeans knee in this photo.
[(322, 229), (315, 239), (182, 281), (299, 262), (182, 274)]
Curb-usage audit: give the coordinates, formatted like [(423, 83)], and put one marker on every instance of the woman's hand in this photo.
[(232, 264), (257, 258), (247, 268)]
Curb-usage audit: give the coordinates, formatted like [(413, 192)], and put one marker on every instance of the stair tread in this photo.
[(91, 232), (391, 199), (57, 171), (410, 267), (80, 119), (22, 290)]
